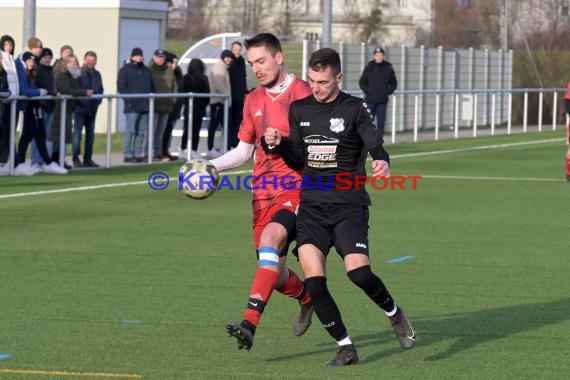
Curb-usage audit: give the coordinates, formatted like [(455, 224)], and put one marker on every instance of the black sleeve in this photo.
[(363, 82), (365, 127), (291, 148), (393, 83), (378, 152)]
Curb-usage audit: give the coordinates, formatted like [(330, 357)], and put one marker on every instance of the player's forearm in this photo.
[(234, 158), (379, 153), (292, 158)]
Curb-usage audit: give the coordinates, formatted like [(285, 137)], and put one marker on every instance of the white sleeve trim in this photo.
[(234, 158)]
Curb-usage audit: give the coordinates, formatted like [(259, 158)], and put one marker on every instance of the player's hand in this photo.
[(568, 154), (272, 137), (380, 168)]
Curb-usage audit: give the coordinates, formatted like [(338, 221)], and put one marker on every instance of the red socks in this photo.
[(263, 284), (261, 289), (295, 288)]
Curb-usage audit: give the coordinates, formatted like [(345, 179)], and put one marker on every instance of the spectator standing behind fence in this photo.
[(195, 81), (33, 127), (238, 82), (378, 81), (567, 103), (64, 51), (7, 45), (66, 83), (135, 78), (172, 63), (219, 84), (44, 79), (164, 82), (86, 111)]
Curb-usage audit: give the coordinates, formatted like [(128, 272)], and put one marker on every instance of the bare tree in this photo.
[(456, 25), (283, 25), (197, 19)]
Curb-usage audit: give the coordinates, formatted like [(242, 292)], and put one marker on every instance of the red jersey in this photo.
[(264, 109), (567, 96)]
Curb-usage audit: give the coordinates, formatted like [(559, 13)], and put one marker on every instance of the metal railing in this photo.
[(13, 100), (395, 99), (418, 95)]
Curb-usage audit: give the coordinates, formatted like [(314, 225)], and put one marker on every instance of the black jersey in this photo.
[(334, 139)]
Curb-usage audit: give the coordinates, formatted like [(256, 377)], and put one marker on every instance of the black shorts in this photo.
[(343, 225)]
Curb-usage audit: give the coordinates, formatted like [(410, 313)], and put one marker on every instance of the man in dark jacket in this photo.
[(45, 79), (378, 80), (238, 84), (86, 111), (135, 78)]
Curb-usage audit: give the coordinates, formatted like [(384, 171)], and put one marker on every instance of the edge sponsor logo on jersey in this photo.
[(360, 245), (337, 125), (322, 148), (320, 153), (305, 124), (320, 139)]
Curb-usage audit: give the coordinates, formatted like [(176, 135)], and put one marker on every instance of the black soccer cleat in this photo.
[(243, 333), (346, 355), (303, 319), (403, 328)]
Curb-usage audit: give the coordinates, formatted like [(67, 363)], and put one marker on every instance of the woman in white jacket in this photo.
[(7, 47)]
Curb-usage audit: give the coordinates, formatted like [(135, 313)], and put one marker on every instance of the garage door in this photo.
[(136, 33)]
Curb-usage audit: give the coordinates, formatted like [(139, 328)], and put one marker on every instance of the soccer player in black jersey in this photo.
[(331, 134)]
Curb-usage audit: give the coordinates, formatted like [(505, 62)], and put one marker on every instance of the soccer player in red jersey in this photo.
[(274, 205)]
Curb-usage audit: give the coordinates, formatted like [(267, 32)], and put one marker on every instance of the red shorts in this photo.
[(286, 201)]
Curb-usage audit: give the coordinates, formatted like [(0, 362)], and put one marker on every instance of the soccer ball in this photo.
[(198, 179)]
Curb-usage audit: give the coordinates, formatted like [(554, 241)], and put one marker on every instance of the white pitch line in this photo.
[(476, 178), (71, 189), (445, 151), (483, 147)]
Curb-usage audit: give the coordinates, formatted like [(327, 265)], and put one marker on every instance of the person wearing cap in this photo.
[(135, 78), (219, 84), (33, 127), (378, 81), (164, 82), (7, 47), (44, 79)]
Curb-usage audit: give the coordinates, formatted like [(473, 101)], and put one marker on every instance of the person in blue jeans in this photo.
[(378, 81), (86, 111), (135, 78)]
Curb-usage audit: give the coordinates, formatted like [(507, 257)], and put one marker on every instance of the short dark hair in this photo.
[(236, 43), (323, 58), (90, 53), (268, 40)]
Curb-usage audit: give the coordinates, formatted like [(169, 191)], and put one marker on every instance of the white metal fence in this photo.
[(481, 114)]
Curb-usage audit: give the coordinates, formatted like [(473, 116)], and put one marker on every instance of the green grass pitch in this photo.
[(487, 289)]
